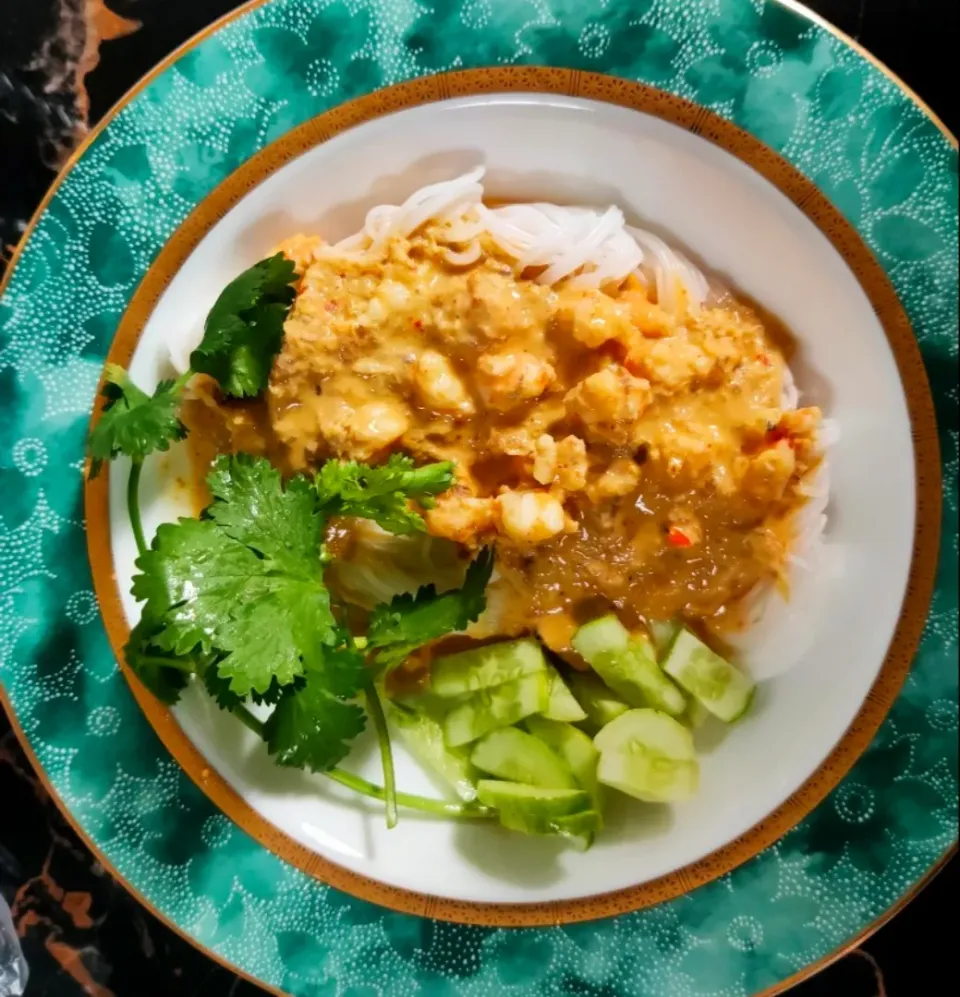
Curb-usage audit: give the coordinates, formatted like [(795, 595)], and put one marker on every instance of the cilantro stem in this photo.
[(441, 808), (375, 708), (243, 714), (184, 665), (133, 505), (183, 380)]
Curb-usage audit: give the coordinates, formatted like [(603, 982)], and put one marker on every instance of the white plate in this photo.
[(735, 223)]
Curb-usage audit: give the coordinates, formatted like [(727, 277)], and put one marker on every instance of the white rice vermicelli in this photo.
[(779, 631), (588, 246)]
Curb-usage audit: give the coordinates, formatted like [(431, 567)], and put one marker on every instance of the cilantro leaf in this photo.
[(244, 329), (164, 675), (219, 690), (240, 583), (409, 621), (251, 504), (382, 494), (314, 725), (133, 423)]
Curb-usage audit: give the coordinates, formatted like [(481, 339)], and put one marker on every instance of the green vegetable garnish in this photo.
[(244, 330), (246, 581), (133, 423), (409, 621), (165, 675), (237, 597), (382, 493), (312, 727), (242, 335)]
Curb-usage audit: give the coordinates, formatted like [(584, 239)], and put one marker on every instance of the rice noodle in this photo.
[(586, 246), (778, 633)]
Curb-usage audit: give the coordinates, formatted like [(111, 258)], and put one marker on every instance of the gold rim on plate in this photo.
[(804, 974)]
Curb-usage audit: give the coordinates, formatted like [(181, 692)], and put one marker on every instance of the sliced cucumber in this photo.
[(423, 736), (534, 802), (649, 778), (723, 689), (574, 747), (562, 705), (627, 665), (696, 715), (598, 701), (484, 667), (501, 706), (601, 636), (663, 633), (532, 810), (513, 754), (651, 728), (580, 829), (649, 755)]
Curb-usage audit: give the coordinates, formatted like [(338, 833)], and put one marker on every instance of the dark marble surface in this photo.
[(62, 64)]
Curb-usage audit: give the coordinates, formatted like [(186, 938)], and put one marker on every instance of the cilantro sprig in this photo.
[(135, 424), (409, 621), (236, 597), (242, 335), (383, 493), (244, 330)]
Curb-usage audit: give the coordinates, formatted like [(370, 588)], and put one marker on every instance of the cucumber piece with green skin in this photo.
[(696, 715), (579, 829), (722, 688), (648, 755), (601, 636), (533, 810), (515, 755), (484, 667), (598, 701), (575, 748), (501, 706), (663, 633), (423, 736), (562, 705), (627, 665), (537, 803), (652, 728), (649, 778)]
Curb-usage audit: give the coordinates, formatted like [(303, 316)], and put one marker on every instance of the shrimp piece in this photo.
[(461, 517), (674, 363), (801, 421), (374, 426), (506, 380), (595, 319), (619, 479), (496, 310), (438, 385), (768, 474), (545, 459), (563, 463), (571, 464), (532, 517), (610, 404)]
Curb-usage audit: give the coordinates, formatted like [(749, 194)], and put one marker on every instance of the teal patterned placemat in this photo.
[(794, 85)]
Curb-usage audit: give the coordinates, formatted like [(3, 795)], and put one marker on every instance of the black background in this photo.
[(82, 933)]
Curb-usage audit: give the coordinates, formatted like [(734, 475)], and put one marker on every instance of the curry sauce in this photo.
[(616, 453)]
